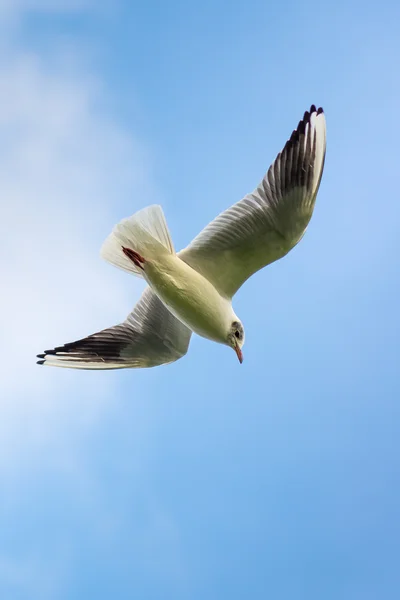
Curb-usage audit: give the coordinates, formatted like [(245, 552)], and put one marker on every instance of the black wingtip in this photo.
[(314, 109), (40, 362), (301, 127), (40, 355)]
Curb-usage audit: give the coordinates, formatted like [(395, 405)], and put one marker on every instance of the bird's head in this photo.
[(236, 338)]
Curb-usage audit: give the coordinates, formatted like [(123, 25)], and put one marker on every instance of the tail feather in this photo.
[(146, 233)]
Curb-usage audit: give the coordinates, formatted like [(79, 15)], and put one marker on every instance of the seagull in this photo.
[(192, 290)]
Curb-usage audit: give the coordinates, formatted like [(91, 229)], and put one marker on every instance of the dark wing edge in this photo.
[(292, 181), (267, 223), (150, 336)]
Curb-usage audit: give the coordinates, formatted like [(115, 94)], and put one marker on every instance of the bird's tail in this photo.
[(144, 235)]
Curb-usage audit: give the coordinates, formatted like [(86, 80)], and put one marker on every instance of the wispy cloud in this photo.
[(64, 164), (68, 171)]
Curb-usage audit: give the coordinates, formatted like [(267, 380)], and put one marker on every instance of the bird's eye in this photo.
[(237, 334)]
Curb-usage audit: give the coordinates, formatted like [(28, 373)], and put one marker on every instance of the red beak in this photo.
[(239, 353)]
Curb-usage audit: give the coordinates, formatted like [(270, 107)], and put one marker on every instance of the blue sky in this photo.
[(204, 479)]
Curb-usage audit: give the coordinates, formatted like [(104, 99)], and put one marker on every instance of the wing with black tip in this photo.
[(149, 337), (269, 222)]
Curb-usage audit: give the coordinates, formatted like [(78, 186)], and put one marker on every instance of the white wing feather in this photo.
[(150, 336), (269, 222)]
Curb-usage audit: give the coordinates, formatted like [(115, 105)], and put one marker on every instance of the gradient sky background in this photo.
[(205, 479)]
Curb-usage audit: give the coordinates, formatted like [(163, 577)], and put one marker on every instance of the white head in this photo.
[(235, 338)]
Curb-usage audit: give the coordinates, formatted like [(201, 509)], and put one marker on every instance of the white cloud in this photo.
[(68, 172), (64, 167)]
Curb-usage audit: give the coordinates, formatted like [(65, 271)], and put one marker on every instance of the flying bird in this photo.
[(192, 290)]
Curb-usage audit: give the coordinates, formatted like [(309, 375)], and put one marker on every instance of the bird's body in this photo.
[(190, 297), (192, 291)]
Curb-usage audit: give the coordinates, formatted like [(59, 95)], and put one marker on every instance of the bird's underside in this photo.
[(256, 231)]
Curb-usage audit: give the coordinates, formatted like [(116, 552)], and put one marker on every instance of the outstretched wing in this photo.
[(150, 336), (269, 222)]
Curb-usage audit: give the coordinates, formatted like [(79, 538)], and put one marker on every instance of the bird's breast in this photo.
[(190, 297)]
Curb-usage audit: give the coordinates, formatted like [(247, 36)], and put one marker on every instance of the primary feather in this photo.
[(269, 222), (150, 336)]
